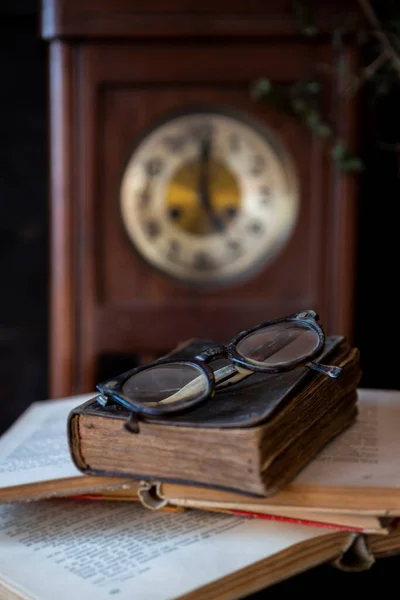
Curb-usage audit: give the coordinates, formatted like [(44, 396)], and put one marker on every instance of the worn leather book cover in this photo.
[(253, 437)]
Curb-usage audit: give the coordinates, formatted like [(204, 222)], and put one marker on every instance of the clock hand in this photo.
[(204, 182), (204, 188)]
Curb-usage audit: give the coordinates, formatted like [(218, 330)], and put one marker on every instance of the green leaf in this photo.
[(305, 18), (261, 89), (323, 130), (346, 160), (312, 116), (309, 30), (313, 87), (339, 151), (351, 165), (299, 105), (317, 125)]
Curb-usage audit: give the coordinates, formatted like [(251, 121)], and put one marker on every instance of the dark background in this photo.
[(24, 256), (23, 209)]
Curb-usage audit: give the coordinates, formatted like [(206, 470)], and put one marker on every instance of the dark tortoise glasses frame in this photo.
[(168, 386)]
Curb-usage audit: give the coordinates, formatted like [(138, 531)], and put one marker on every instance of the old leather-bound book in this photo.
[(254, 437)]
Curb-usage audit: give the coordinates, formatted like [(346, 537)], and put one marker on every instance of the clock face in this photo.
[(209, 197)]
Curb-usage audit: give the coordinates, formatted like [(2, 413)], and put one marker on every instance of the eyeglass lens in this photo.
[(279, 344), (166, 384)]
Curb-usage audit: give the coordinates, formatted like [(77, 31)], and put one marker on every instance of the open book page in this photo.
[(367, 454), (35, 448), (77, 549)]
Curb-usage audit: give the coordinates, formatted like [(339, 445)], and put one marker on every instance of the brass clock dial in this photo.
[(209, 197)]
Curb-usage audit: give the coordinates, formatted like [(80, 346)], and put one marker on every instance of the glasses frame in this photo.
[(111, 389)]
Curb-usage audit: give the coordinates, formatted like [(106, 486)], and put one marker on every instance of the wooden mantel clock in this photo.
[(179, 206)]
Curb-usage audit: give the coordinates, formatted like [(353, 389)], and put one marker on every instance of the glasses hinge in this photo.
[(102, 399), (132, 424)]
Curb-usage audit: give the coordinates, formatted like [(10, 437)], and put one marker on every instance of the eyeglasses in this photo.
[(168, 386)]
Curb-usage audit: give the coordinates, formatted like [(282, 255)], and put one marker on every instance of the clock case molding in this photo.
[(114, 68)]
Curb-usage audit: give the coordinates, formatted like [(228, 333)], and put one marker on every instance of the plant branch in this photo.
[(380, 34), (366, 73)]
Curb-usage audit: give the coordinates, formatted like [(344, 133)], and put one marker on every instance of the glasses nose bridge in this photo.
[(211, 354)]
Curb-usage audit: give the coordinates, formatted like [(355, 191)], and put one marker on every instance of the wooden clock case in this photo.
[(115, 66)]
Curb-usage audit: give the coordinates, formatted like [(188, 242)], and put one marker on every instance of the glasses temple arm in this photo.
[(233, 373), (230, 374), (331, 370)]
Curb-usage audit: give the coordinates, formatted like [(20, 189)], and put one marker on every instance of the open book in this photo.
[(95, 550), (71, 549), (353, 484)]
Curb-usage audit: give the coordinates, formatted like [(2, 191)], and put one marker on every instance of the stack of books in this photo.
[(285, 472), (253, 437)]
